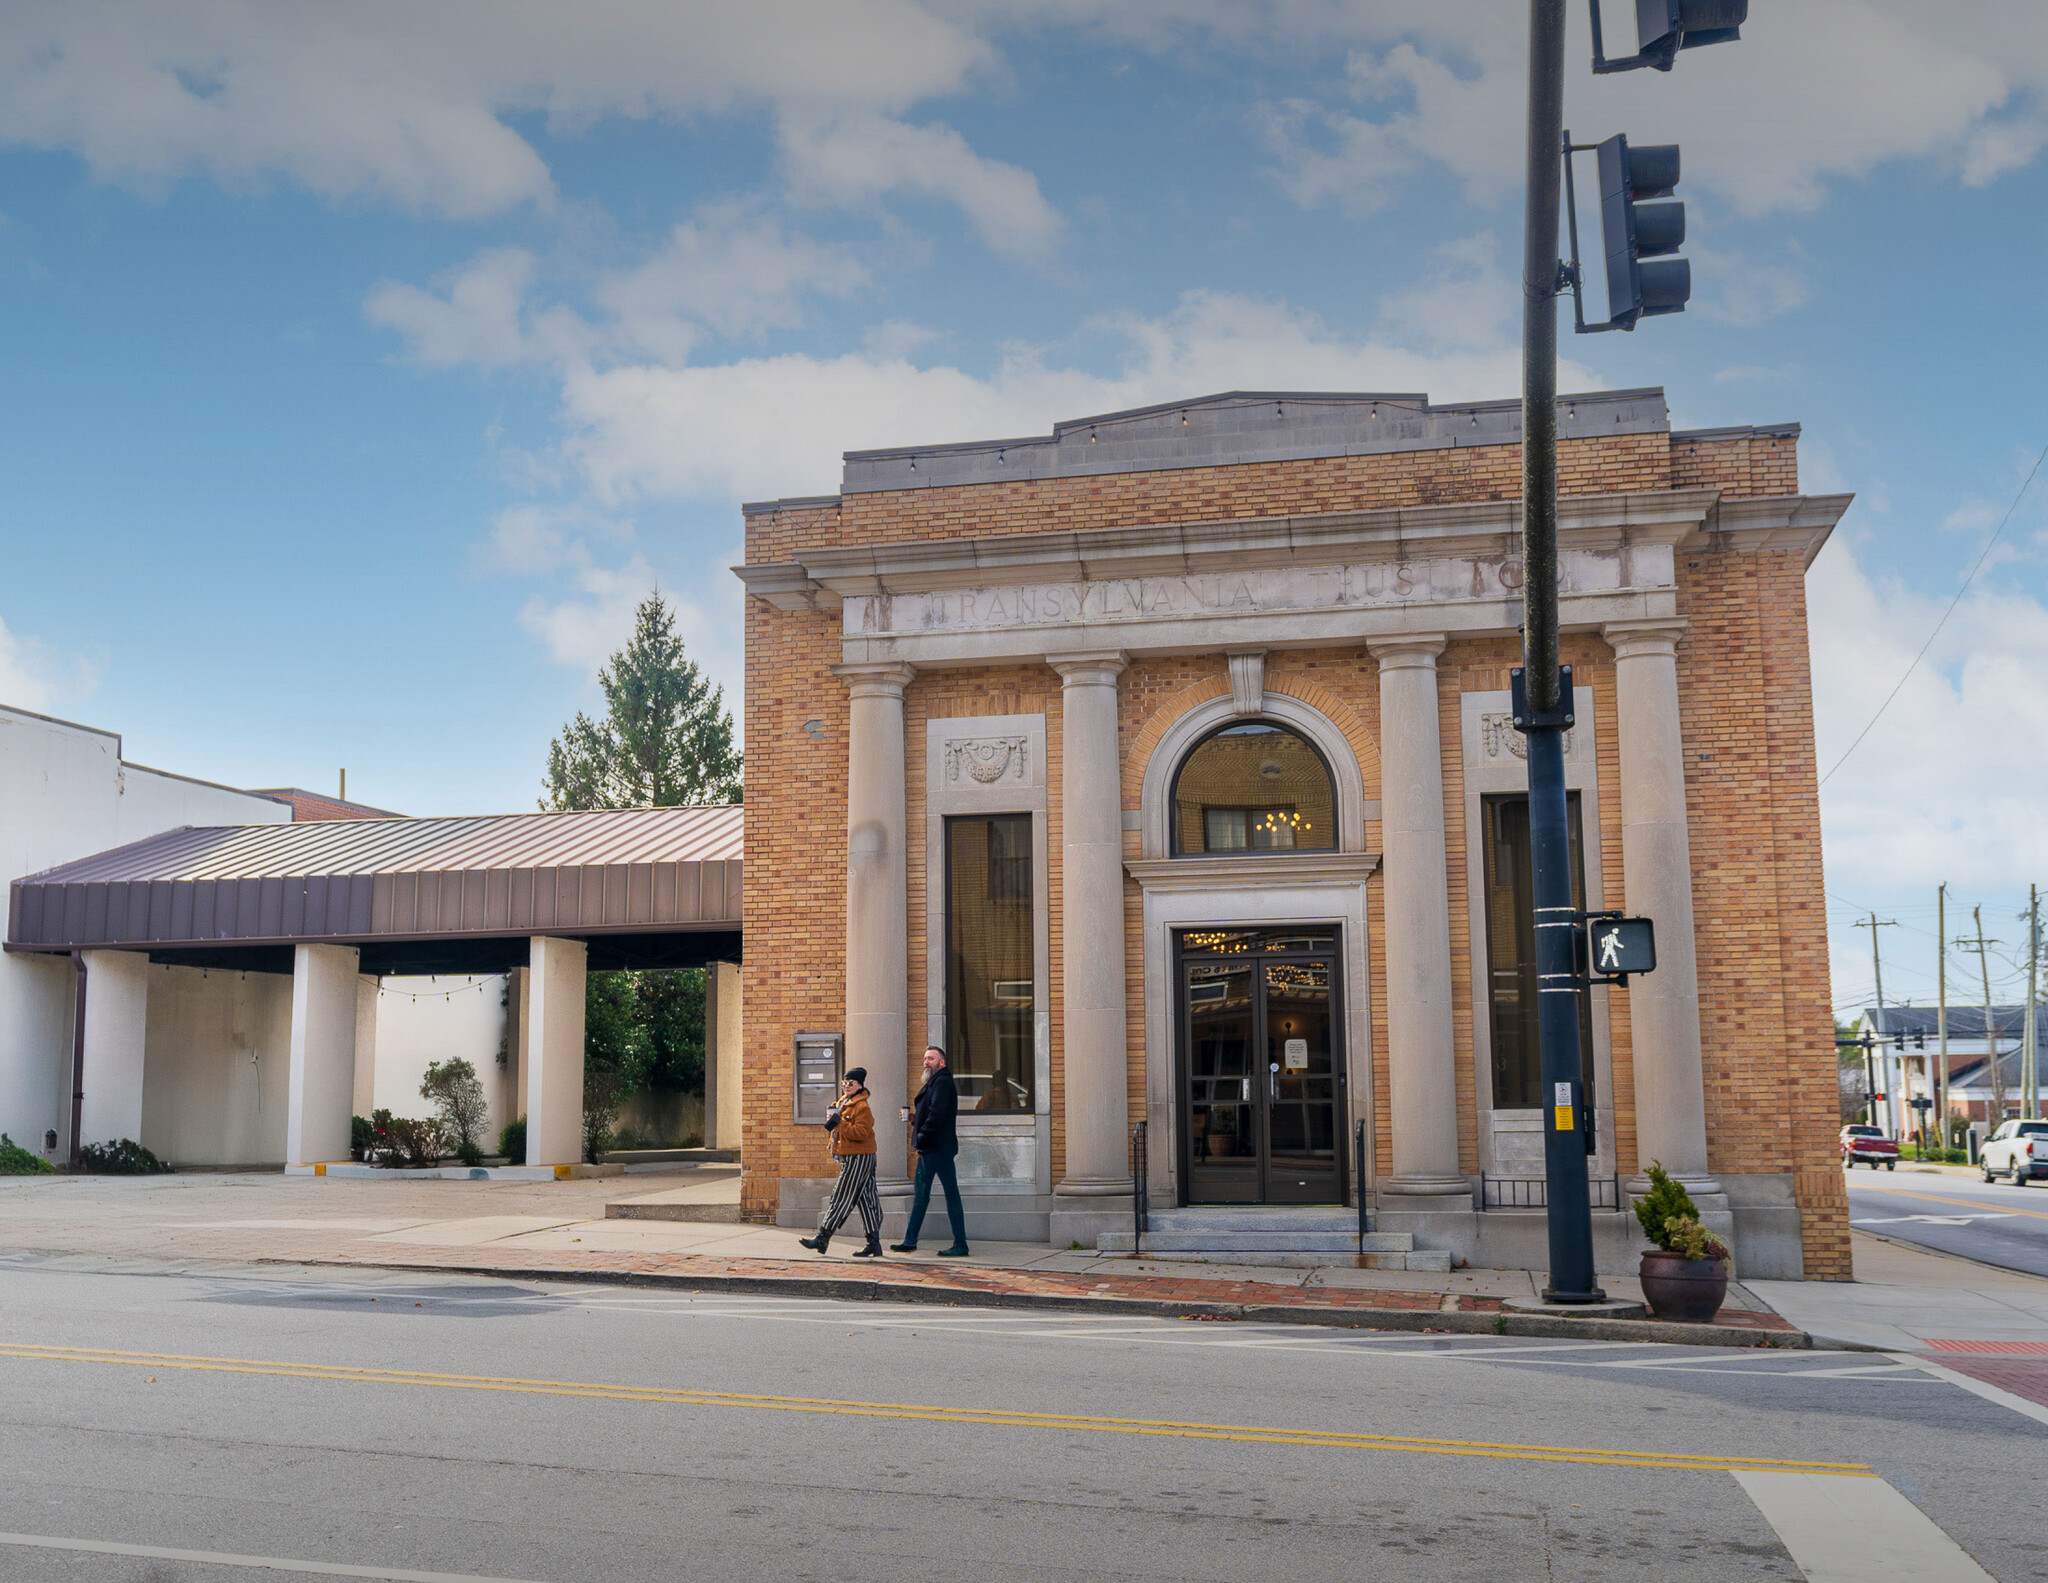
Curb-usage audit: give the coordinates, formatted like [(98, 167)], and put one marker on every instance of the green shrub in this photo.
[(453, 1087), (362, 1137), (124, 1157), (400, 1140), (512, 1141), (17, 1161), (1671, 1219)]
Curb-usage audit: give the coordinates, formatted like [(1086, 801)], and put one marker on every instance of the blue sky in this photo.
[(366, 364)]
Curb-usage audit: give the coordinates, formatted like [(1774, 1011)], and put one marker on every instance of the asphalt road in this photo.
[(1997, 1224), (407, 1426)]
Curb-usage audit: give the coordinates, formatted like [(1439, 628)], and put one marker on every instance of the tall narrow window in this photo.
[(1511, 952), (990, 996)]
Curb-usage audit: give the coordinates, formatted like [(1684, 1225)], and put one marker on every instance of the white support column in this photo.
[(1421, 1053), (323, 1065), (1094, 1032), (722, 1054), (365, 1086), (116, 1018), (555, 972), (877, 906), (1656, 864)]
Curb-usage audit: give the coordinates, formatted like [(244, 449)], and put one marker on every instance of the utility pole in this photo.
[(1544, 709), (1990, 1028), (1874, 923), (2030, 1087), (1941, 989), (1541, 689)]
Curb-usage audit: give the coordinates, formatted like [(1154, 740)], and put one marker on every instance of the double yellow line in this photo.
[(996, 1417)]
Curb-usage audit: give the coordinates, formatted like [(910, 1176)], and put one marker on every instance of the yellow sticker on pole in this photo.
[(1564, 1118)]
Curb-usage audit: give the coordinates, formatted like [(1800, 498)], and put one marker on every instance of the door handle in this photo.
[(1273, 1081), (1244, 1090)]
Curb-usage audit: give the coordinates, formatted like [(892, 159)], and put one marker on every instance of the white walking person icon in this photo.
[(1610, 949)]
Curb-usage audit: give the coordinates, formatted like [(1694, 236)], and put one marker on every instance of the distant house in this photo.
[(1907, 1060)]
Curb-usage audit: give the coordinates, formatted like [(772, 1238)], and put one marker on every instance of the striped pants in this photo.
[(856, 1188)]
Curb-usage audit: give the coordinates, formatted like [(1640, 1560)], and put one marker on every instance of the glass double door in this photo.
[(1262, 1084)]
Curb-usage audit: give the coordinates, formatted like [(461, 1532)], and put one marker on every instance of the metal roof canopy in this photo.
[(645, 887)]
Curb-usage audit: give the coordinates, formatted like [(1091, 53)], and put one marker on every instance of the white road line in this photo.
[(1849, 1530), (264, 1563), (1976, 1387)]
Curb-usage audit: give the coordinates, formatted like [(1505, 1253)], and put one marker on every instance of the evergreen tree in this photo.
[(665, 739)]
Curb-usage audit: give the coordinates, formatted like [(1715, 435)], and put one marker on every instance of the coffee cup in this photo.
[(902, 1112)]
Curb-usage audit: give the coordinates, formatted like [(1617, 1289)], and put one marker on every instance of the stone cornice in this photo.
[(1770, 522), (829, 574), (1267, 870)]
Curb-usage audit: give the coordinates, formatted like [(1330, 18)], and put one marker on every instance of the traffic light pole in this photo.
[(1544, 708)]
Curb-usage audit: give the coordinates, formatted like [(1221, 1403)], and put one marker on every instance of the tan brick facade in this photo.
[(1749, 772)]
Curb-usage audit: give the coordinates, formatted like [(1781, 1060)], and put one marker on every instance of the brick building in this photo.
[(1160, 768)]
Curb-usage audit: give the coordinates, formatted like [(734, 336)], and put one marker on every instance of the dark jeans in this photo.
[(941, 1166)]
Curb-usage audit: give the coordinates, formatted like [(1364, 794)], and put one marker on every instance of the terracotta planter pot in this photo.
[(1680, 1288)]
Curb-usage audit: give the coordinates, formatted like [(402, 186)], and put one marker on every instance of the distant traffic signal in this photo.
[(1635, 230), (1664, 27)]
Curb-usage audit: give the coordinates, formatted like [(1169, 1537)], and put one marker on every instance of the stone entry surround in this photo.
[(1399, 599)]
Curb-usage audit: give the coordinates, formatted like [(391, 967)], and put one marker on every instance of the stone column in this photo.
[(1094, 1021), (365, 1084), (877, 907), (321, 1088), (555, 972), (116, 1017), (1656, 863), (1421, 1055), (722, 1036)]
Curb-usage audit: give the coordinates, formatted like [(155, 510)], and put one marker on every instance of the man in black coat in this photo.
[(933, 1135)]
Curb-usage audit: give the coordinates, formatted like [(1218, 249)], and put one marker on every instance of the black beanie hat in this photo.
[(857, 1074)]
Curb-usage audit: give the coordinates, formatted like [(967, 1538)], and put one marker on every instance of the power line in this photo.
[(1958, 599)]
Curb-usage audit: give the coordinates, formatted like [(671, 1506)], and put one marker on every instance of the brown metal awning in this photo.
[(645, 886)]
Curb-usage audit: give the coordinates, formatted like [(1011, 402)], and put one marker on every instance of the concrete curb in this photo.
[(858, 1289)]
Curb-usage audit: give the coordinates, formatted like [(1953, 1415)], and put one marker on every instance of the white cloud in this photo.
[(851, 160), (583, 628), (1946, 787), (1817, 90), (397, 102), (1467, 301), (731, 268), (33, 678)]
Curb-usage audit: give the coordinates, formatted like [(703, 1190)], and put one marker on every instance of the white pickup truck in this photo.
[(2017, 1151)]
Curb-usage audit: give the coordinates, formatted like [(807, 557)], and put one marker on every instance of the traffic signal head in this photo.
[(1635, 230), (1664, 27)]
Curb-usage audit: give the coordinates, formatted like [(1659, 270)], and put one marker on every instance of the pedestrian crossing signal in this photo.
[(1619, 947)]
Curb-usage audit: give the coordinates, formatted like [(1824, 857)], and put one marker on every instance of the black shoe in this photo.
[(872, 1251), (903, 1247), (816, 1244), (957, 1251)]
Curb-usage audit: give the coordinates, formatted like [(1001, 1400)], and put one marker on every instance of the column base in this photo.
[(1699, 1187), (1427, 1187), (1083, 1220)]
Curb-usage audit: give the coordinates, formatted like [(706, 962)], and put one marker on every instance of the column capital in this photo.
[(1635, 639), (1096, 668), (1408, 650), (876, 679)]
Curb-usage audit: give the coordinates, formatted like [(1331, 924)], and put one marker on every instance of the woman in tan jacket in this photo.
[(852, 1123)]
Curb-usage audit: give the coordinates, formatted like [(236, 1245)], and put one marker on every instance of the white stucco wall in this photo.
[(423, 1020), (65, 793), (216, 1063)]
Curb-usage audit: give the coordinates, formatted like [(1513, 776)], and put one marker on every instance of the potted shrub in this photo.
[(1686, 1275)]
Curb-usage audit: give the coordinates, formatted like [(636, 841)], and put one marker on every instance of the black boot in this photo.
[(872, 1251), (816, 1244)]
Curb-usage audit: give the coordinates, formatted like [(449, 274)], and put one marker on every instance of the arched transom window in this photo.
[(1253, 787)]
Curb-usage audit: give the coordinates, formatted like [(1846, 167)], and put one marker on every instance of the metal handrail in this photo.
[(1358, 1182), (1139, 1205)]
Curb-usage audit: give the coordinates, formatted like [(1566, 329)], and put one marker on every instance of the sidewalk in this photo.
[(561, 1230)]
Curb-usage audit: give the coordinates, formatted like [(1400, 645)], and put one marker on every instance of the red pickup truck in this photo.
[(1870, 1147)]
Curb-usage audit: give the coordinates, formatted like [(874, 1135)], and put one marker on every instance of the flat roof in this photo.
[(208, 893)]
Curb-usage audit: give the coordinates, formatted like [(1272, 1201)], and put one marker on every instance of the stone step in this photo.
[(1254, 1217), (1437, 1260), (1227, 1242)]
